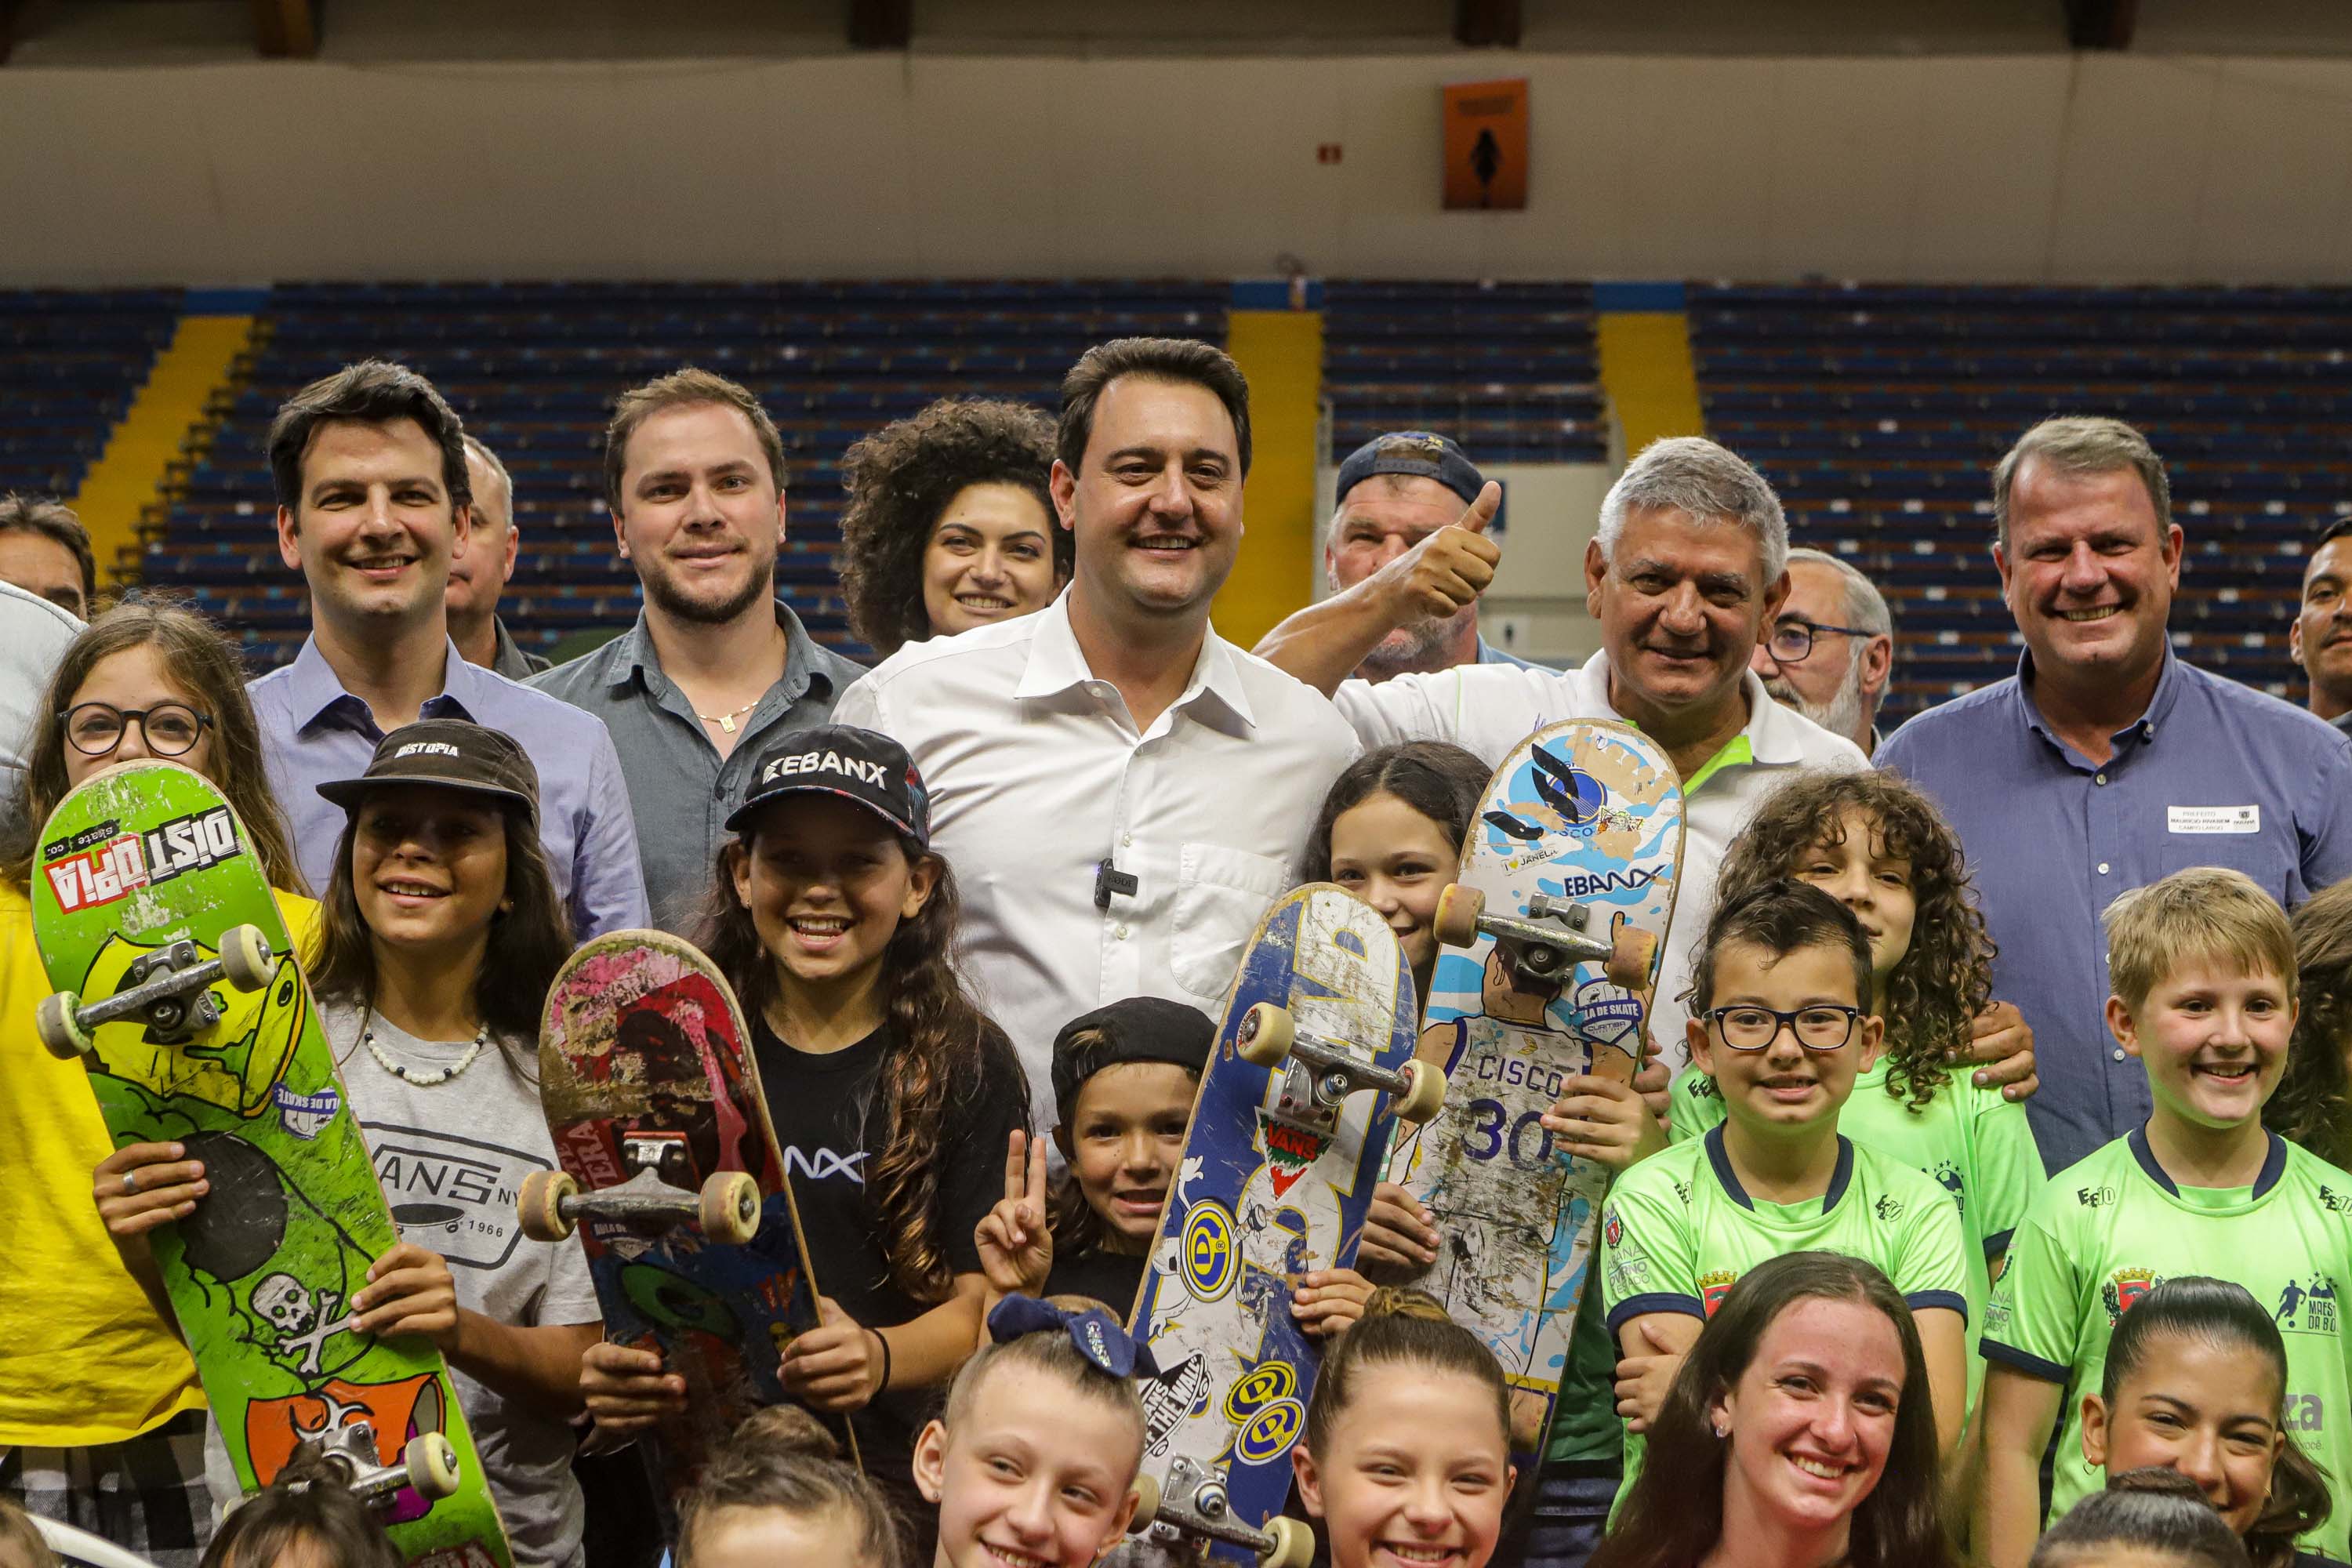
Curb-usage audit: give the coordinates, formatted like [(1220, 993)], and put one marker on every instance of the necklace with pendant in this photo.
[(726, 721)]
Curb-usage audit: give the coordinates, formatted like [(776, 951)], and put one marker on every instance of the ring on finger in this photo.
[(130, 1182)]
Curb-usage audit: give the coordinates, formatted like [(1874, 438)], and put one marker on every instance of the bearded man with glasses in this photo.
[(1830, 652)]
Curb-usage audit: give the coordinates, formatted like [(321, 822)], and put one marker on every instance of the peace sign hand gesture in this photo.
[(1016, 1251)]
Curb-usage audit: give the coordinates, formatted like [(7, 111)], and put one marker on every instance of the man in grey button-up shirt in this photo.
[(694, 472)]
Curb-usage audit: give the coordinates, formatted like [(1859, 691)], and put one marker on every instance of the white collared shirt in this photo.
[(1037, 775), (1491, 708)]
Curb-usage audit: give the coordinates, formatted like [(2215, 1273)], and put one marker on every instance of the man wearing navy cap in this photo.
[(1395, 490)]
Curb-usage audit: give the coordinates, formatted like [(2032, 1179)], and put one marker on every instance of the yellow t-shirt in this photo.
[(98, 1364)]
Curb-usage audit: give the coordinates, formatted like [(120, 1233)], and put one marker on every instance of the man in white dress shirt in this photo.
[(1120, 791), (1688, 567)]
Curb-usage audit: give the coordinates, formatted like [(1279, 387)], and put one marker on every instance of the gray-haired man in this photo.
[(1832, 649)]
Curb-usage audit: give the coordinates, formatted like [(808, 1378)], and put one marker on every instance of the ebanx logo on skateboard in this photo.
[(104, 863)]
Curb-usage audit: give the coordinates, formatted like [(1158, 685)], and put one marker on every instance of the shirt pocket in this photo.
[(1220, 894)]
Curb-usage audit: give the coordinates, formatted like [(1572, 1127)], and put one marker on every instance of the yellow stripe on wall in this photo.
[(129, 473), (1281, 351), (1647, 370)]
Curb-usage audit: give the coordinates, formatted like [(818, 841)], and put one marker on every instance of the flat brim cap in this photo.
[(840, 760), (444, 753)]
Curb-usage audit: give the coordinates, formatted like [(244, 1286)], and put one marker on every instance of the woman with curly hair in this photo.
[(1881, 847), (950, 524), (2312, 1106)]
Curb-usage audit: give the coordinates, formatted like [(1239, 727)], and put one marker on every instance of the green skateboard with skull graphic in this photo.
[(178, 988)]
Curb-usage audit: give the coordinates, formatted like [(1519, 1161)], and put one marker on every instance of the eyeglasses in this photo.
[(1791, 641), (1820, 1028), (96, 728)]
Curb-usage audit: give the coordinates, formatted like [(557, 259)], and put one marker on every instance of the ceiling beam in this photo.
[(881, 24), (2101, 23), (286, 30), (1486, 23)]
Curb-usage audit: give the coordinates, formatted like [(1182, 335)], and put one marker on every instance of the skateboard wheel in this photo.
[(1458, 908), (244, 958), (1422, 1098), (433, 1470), (58, 1022), (730, 1207), (1265, 1033), (1146, 1503), (1633, 950), (540, 1206), (1294, 1543)]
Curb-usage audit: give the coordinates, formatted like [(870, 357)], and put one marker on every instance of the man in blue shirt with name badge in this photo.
[(2106, 762)]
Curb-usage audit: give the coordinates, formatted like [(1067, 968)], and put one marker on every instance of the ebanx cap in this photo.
[(1418, 452), (450, 753), (1138, 1029), (841, 760)]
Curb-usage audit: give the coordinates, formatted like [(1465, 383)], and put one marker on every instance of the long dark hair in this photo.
[(528, 943), (946, 1048), (1442, 780), (2222, 1313), (2313, 1103), (1944, 978), (201, 662), (1675, 1513), (2154, 1512)]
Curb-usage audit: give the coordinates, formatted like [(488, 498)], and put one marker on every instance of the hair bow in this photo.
[(1102, 1339)]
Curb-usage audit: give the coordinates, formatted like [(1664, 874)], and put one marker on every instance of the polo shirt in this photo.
[(314, 733), (1040, 778), (1489, 654), (680, 788), (2214, 773), (1491, 708)]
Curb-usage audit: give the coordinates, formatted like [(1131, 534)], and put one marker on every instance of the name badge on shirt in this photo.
[(2213, 818)]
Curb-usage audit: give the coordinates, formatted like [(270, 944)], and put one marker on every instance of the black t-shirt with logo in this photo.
[(1114, 1278), (832, 1131)]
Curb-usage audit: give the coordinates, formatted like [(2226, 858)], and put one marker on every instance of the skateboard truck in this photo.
[(1191, 1506), (727, 1206), (1317, 1074), (429, 1465), (170, 990), (1541, 951)]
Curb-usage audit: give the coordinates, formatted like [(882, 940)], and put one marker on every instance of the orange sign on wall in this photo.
[(1486, 145)]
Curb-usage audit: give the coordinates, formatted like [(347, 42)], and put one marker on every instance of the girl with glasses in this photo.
[(110, 1435)]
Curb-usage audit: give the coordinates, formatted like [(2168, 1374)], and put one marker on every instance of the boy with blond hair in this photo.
[(2202, 967)]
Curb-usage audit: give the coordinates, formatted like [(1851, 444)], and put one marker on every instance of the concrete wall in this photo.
[(2026, 167)]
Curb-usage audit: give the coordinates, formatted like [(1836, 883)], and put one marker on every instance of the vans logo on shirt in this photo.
[(824, 762)]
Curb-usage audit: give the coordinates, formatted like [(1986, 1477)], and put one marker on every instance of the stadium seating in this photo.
[(1509, 370), (69, 363), (534, 369), (1877, 412)]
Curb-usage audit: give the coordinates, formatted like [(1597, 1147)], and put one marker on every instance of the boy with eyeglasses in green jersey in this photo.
[(2202, 965), (1779, 1020)]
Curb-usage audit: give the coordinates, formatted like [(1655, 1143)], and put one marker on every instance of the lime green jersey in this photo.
[(1679, 1229), (2106, 1231), (1977, 1145)]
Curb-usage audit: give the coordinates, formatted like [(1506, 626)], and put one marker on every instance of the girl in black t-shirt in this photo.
[(891, 1091)]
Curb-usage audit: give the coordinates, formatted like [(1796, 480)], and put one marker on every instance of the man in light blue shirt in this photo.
[(2106, 762), (373, 498)]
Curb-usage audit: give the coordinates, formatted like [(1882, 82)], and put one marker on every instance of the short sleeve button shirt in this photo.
[(2215, 773)]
